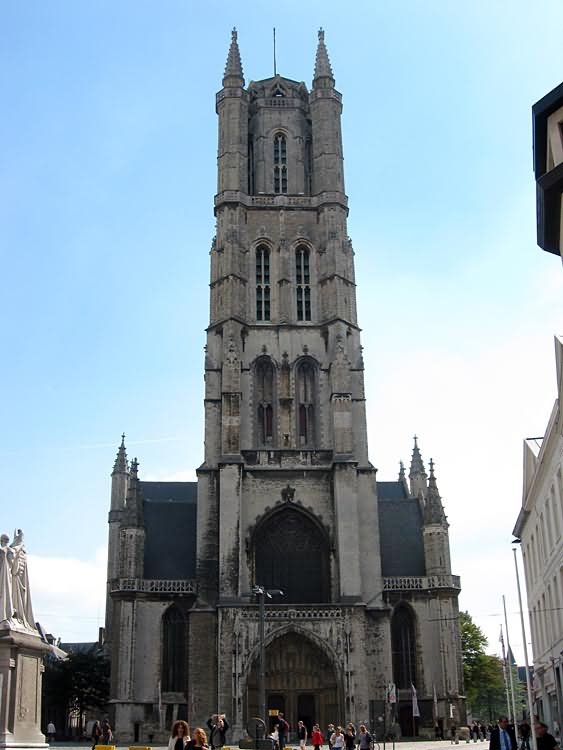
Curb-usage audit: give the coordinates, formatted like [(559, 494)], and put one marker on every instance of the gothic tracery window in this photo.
[(403, 642), (262, 283), (286, 544), (303, 283), (280, 163), (264, 400), (174, 632), (305, 387)]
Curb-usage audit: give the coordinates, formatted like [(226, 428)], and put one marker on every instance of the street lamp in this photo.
[(261, 592), (528, 680)]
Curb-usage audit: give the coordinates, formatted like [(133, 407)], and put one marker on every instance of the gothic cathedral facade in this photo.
[(286, 497)]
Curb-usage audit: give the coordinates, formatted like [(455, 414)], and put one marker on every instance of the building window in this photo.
[(280, 163), (262, 283), (404, 647), (305, 381), (264, 400), (303, 283), (287, 543), (174, 651)]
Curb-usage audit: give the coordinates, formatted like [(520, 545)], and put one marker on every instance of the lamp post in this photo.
[(528, 681), (261, 593)]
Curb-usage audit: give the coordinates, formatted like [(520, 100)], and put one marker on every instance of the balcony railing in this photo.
[(421, 583), (155, 585)]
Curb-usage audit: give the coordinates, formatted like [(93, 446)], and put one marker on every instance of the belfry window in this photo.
[(174, 632), (280, 163), (403, 647), (305, 382), (262, 283), (264, 400), (303, 283)]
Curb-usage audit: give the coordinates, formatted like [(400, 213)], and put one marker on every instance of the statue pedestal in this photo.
[(21, 669)]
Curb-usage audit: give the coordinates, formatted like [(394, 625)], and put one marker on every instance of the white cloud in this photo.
[(165, 475), (68, 594)]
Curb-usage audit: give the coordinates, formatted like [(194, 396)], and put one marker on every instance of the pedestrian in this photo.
[(317, 737), (329, 733), (275, 737), (199, 739), (502, 736), (544, 740), (337, 739), (350, 737), (51, 731), (364, 738), (107, 734), (180, 736), (525, 731), (218, 726), (283, 730), (96, 734), (301, 734)]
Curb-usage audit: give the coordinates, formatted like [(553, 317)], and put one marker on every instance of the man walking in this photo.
[(502, 736), (283, 729), (544, 740)]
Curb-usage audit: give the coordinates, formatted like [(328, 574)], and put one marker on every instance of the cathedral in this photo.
[(286, 497)]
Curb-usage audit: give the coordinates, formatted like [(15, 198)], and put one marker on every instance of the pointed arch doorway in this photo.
[(301, 682)]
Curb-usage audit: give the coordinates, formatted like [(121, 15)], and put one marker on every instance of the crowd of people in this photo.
[(502, 736), (336, 737), (507, 736)]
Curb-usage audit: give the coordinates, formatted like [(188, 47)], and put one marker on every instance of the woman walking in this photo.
[(180, 736), (199, 739)]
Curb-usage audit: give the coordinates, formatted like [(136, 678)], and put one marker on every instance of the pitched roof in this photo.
[(170, 524), (400, 531)]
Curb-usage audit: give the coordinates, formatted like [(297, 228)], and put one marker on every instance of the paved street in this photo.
[(407, 745)]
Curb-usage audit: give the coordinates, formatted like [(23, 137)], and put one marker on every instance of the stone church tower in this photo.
[(286, 496)]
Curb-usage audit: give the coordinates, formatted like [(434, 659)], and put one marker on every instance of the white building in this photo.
[(540, 529)]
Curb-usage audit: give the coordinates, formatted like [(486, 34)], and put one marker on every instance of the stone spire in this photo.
[(402, 475), (417, 472), (233, 69), (134, 502), (121, 465), (323, 71), (433, 508)]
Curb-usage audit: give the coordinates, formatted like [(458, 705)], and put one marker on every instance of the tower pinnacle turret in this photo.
[(323, 76), (121, 465), (417, 473), (433, 508), (233, 69)]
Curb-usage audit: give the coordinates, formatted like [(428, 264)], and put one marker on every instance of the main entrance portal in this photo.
[(300, 682)]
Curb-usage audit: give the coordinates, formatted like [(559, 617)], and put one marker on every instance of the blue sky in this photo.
[(107, 175)]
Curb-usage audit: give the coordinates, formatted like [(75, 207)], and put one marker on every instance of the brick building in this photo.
[(286, 496)]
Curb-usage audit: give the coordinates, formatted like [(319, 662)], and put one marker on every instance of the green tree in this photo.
[(77, 684), (482, 673)]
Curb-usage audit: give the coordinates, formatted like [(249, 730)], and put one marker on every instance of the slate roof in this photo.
[(400, 531), (170, 523)]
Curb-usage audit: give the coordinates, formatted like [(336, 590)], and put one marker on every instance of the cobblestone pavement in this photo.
[(403, 745)]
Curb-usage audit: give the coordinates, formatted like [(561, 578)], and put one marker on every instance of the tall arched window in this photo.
[(174, 637), (286, 544), (303, 283), (264, 400), (262, 283), (305, 386), (280, 163), (403, 642)]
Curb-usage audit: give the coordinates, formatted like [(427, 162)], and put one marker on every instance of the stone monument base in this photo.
[(21, 670)]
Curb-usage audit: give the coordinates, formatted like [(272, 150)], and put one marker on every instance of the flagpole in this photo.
[(509, 664), (528, 680), (504, 673)]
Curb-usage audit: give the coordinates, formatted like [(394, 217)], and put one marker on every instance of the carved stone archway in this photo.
[(301, 681)]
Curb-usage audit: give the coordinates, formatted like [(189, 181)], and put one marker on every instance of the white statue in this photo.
[(7, 555), (20, 583)]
